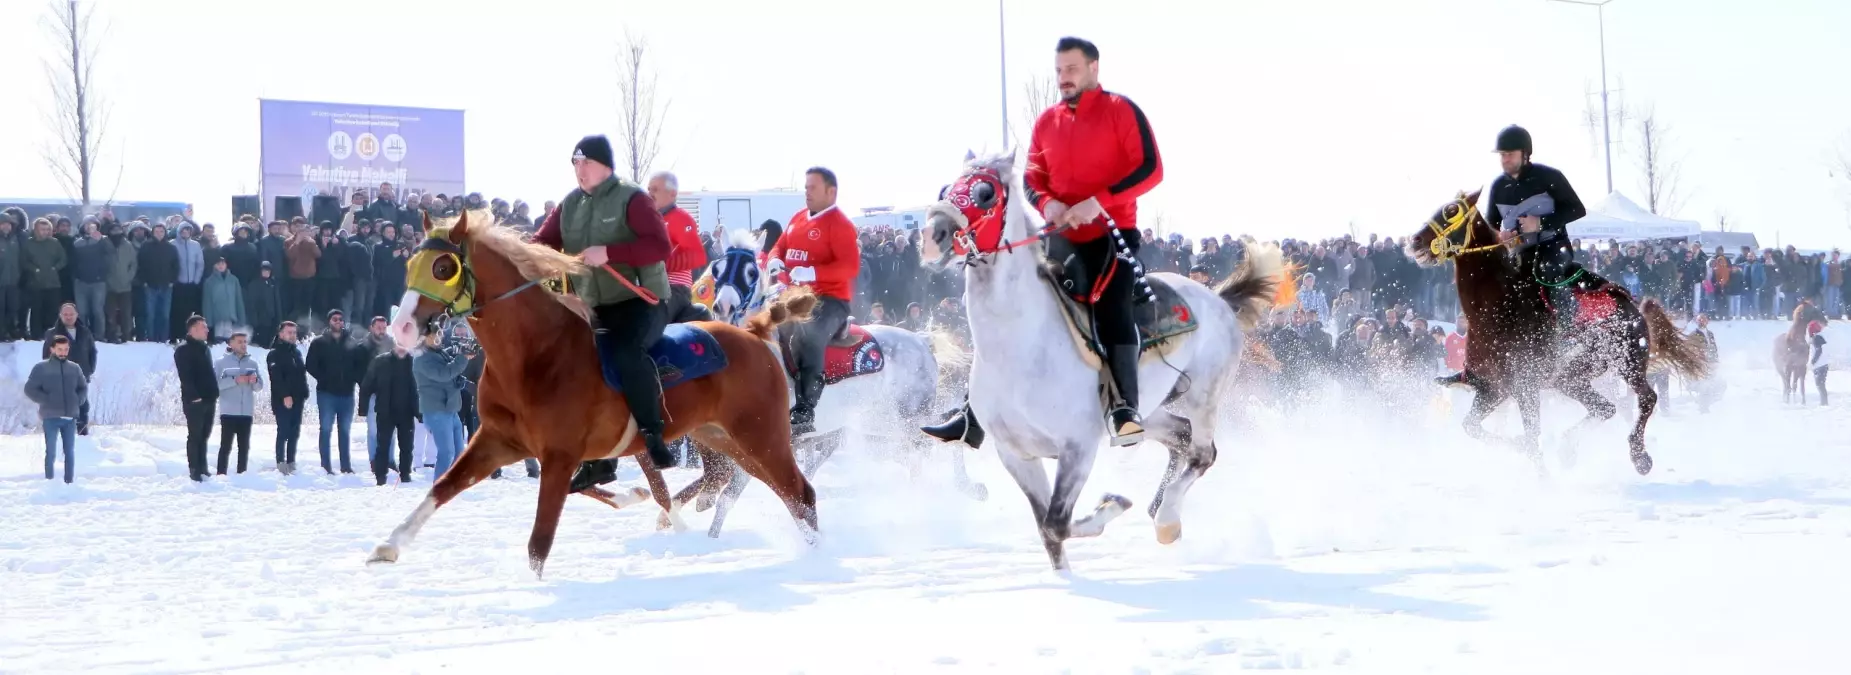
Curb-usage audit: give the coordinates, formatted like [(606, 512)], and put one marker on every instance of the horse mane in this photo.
[(534, 262), (795, 304), (741, 238)]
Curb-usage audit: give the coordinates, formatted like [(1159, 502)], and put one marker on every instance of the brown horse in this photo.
[(542, 392), (1514, 351), (1791, 350)]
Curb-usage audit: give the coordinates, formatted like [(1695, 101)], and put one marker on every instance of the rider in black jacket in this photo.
[(1535, 203)]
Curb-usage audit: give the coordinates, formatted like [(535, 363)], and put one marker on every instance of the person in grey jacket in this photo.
[(118, 304), (239, 381), (59, 387), (438, 371)]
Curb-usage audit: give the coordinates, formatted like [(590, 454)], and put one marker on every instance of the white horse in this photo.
[(1035, 391), (882, 406)]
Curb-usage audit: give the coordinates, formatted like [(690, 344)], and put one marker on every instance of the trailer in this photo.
[(746, 209)]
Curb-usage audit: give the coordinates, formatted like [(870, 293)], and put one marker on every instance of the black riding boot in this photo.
[(803, 413), (1566, 307), (1126, 427), (962, 426), (594, 473)]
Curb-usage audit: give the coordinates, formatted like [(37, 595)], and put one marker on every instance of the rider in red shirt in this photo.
[(819, 249), (685, 253), (1091, 157)]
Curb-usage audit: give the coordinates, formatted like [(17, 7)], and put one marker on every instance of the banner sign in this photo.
[(336, 148)]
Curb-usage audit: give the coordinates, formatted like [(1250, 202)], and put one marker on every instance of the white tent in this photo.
[(1619, 218)]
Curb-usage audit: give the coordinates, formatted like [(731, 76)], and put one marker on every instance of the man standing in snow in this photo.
[(239, 382), (59, 387), (199, 394), (288, 394), (82, 352)]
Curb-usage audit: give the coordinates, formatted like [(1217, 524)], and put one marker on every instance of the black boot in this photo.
[(803, 414), (962, 426), (594, 473), (1566, 307), (658, 450), (1126, 427)]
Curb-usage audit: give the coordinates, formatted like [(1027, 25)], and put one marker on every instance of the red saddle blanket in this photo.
[(1594, 305), (858, 355)]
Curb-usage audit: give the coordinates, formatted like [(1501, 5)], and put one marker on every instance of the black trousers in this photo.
[(807, 342), (681, 307), (198, 430), (288, 430), (1085, 263), (11, 309), (238, 427), (387, 430), (45, 303), (627, 330), (301, 293)]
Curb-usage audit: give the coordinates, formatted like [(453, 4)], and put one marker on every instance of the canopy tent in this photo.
[(1619, 218)]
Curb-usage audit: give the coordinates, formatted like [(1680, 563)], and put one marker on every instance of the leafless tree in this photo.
[(1726, 222), (78, 115), (640, 116), (1039, 93), (1662, 170)]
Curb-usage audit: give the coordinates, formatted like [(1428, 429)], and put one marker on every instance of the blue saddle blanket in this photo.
[(684, 354)]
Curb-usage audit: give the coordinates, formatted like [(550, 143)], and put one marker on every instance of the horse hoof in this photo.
[(1168, 533), (703, 502), (662, 524), (1123, 503), (1642, 463), (383, 553)]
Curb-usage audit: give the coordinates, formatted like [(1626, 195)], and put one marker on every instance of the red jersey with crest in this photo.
[(1100, 147), (685, 254), (826, 242)]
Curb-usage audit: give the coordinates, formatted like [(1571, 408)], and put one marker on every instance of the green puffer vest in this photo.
[(600, 219)]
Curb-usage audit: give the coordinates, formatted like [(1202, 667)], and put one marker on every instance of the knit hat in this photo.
[(595, 148)]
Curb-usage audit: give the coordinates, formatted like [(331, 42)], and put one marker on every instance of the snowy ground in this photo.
[(1333, 539)]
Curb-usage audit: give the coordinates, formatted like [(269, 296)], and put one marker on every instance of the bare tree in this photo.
[(640, 117), (1661, 169), (78, 114), (1726, 222), (1039, 93)]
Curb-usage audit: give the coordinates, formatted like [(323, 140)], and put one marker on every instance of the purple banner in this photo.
[(313, 148)]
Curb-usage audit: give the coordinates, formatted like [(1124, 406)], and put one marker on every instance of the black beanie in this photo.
[(595, 148)]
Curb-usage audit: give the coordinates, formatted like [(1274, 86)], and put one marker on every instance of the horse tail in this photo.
[(794, 305), (1670, 346), (1260, 283)]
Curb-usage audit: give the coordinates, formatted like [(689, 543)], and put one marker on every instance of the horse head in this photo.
[(975, 212), (1454, 229), (463, 264), (737, 281)]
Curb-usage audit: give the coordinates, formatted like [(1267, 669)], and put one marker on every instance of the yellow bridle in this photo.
[(1443, 247)]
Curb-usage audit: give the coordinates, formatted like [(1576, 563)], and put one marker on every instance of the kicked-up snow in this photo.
[(1338, 537)]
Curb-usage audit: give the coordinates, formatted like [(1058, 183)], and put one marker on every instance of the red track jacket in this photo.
[(827, 242), (1103, 148)]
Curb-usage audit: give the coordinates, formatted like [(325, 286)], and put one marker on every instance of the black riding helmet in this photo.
[(1514, 137)]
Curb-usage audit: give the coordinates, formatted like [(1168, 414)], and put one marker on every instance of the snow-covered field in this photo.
[(1332, 539)]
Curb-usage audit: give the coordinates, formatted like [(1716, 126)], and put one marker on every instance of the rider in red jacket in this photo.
[(1091, 157), (819, 249), (685, 253)]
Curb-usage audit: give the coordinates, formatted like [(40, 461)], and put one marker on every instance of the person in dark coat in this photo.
[(389, 258), (359, 295), (60, 389), (390, 379), (199, 394), (83, 352), (332, 280), (241, 256), (159, 271), (288, 393), (263, 304), (337, 363)]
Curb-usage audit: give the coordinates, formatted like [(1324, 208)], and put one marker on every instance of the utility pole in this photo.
[(1002, 63), (1606, 123)]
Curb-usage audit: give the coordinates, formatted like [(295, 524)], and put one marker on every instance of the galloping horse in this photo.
[(1035, 381), (883, 382), (1791, 351), (1514, 351), (542, 392)]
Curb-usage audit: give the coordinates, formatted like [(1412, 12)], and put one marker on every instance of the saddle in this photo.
[(1161, 318), (1594, 298), (684, 353), (852, 352)]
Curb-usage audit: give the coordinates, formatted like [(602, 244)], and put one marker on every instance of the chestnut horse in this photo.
[(1514, 351), (543, 394), (1791, 349)]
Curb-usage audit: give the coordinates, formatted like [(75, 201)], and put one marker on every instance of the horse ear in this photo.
[(461, 228), (1473, 197)]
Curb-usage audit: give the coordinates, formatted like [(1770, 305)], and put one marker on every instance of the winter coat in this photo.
[(91, 261), (222, 303), (337, 363), (9, 261), (304, 255), (359, 260), (440, 380), (332, 265), (241, 260), (83, 345), (160, 263), (389, 267), (389, 379), (124, 262), (288, 377), (193, 363), (274, 250), (43, 260), (263, 303), (59, 387), (192, 261), (235, 399)]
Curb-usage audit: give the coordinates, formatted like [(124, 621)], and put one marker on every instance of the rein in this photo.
[(1443, 247)]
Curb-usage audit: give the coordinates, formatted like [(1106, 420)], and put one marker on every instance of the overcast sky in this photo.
[(1283, 118)]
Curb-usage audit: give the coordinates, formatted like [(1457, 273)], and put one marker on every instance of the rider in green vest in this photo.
[(615, 227)]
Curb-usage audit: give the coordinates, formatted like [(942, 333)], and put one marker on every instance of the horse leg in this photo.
[(485, 453), (1483, 403), (1070, 474), (960, 474), (1599, 409), (1189, 459), (1634, 374), (1529, 406), (821, 448), (556, 469), (616, 500), (735, 484), (711, 489), (1033, 479), (766, 455), (670, 517)]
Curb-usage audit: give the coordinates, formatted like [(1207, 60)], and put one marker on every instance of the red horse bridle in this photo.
[(980, 199)]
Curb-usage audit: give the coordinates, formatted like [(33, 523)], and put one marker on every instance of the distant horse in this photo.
[(882, 385), (543, 394), (1791, 351), (1036, 377), (1514, 352)]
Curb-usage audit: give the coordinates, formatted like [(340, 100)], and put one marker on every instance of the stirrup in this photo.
[(1131, 432)]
